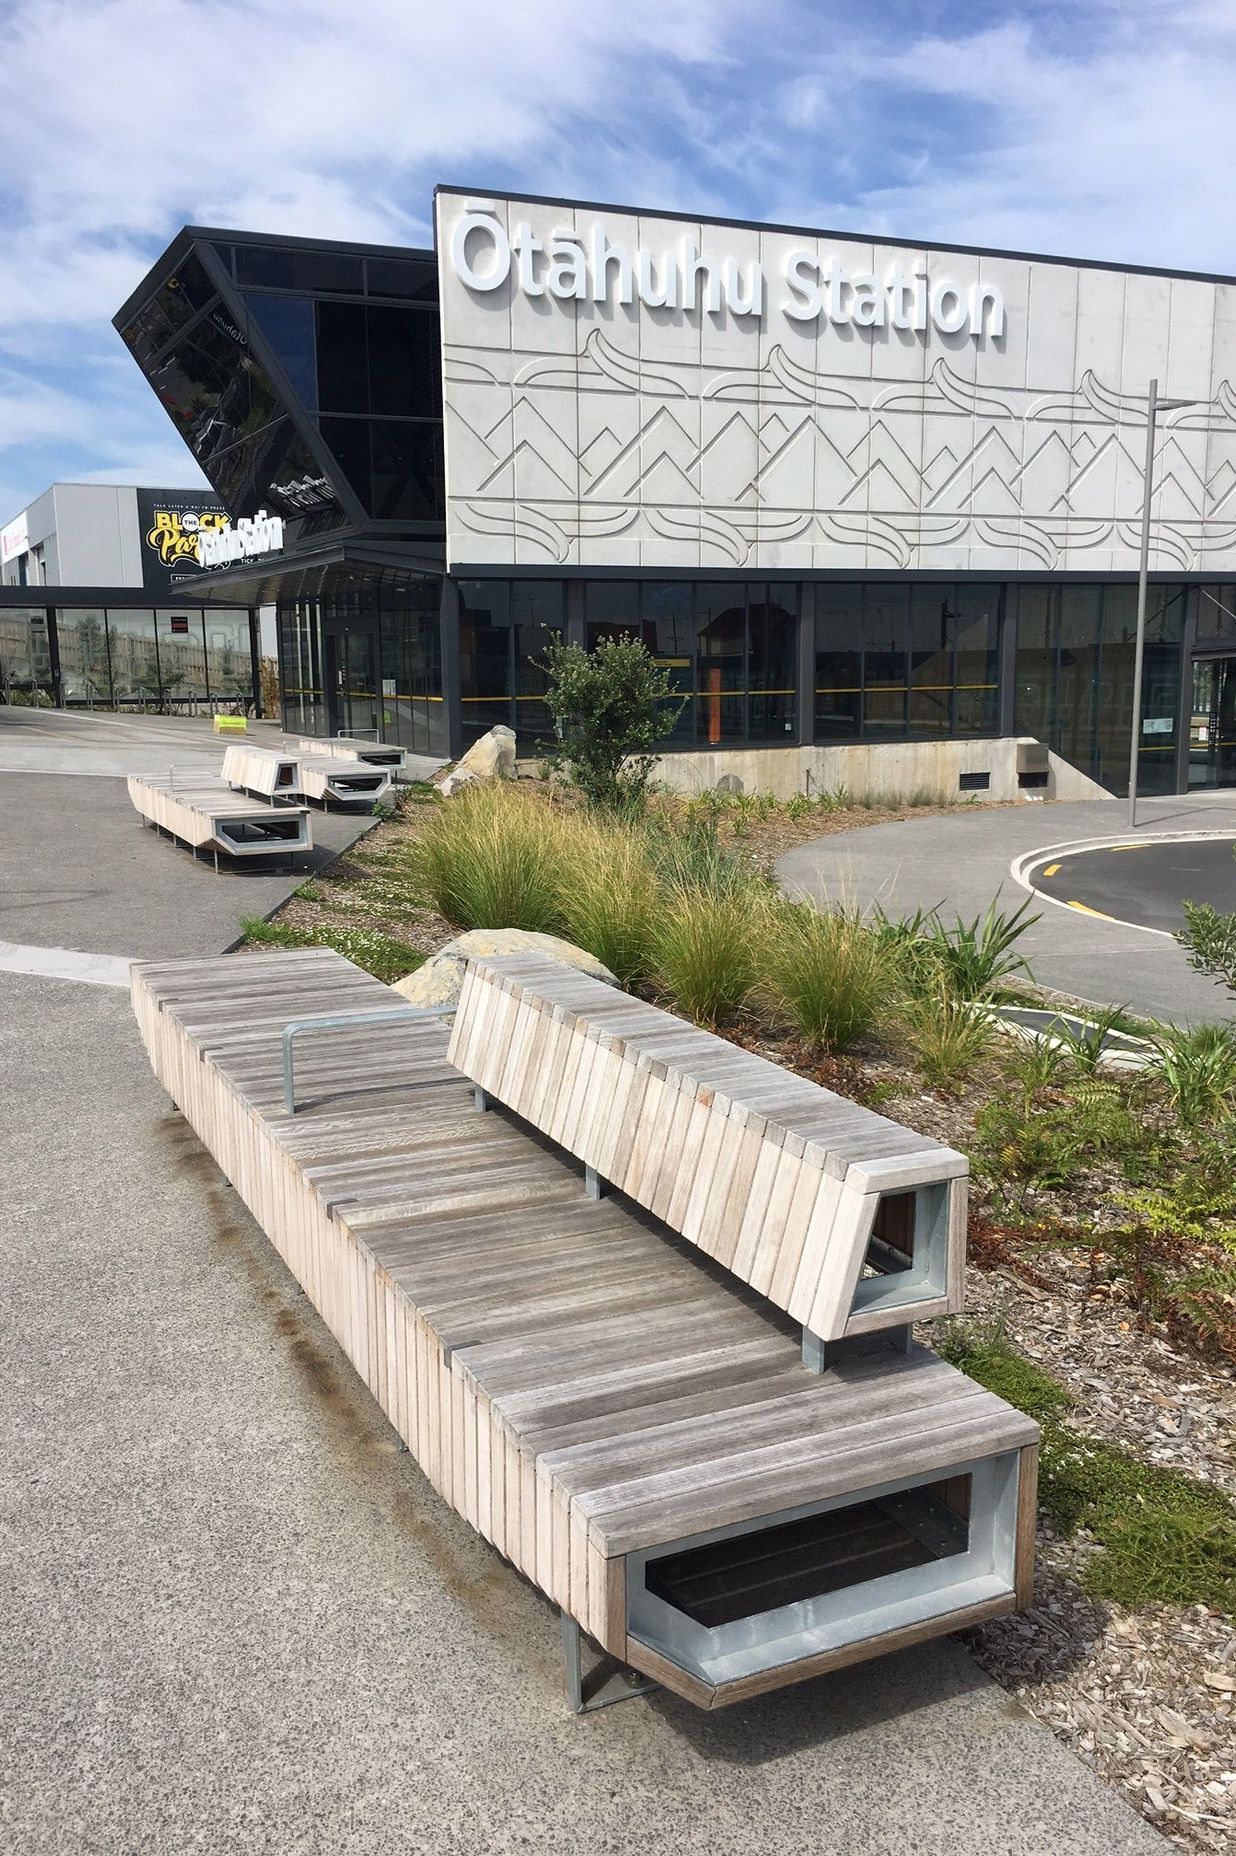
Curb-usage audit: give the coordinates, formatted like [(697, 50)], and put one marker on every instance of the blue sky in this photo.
[(1087, 129)]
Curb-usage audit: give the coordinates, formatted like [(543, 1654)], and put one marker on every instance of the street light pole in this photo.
[(1135, 735)]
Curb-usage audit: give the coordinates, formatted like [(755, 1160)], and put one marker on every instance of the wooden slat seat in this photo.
[(206, 814), (838, 1215), (322, 777), (572, 1378), (348, 747)]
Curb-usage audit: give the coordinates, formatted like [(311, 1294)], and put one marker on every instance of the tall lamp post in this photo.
[(1154, 406)]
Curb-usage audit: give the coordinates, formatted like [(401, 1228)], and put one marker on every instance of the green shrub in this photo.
[(493, 857), (610, 707), (977, 958), (1209, 939), (947, 1035), (380, 954), (825, 972), (705, 951), (1166, 1538)]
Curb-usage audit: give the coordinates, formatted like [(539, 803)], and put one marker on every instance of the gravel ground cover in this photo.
[(1146, 1694)]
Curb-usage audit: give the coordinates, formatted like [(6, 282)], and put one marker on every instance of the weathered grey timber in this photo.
[(206, 814), (791, 1188), (632, 1429)]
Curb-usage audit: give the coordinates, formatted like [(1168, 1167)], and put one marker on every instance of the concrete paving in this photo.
[(238, 1620), (79, 872), (960, 860)]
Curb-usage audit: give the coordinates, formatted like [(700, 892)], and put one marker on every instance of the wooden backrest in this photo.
[(838, 1215)]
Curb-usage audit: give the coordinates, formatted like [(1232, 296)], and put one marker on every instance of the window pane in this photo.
[(186, 292), (25, 655), (407, 483), (135, 657), (838, 660), (229, 667), (406, 277), (611, 608), (82, 636), (287, 323), (413, 712), (537, 614), (182, 654), (300, 659), (278, 268), (1077, 687), (721, 621), (405, 369), (977, 639), (885, 612), (1034, 673), (932, 622), (484, 655), (773, 621), (348, 440), (1216, 615), (343, 357), (667, 612)]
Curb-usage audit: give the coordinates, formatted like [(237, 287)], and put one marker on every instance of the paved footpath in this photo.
[(960, 860), (236, 1618)]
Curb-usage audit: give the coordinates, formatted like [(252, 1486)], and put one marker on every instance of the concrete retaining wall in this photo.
[(893, 771)]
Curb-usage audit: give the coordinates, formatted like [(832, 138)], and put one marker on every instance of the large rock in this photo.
[(490, 758), (439, 980)]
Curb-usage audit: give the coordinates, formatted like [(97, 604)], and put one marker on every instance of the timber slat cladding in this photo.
[(765, 1172), (567, 1374), (206, 813)]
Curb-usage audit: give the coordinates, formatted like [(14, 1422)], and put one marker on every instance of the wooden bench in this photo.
[(347, 747), (849, 1222), (325, 777), (206, 814), (630, 1425)]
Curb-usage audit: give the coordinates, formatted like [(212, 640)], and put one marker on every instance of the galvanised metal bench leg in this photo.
[(482, 1099), (815, 1352), (621, 1684), (594, 1185)]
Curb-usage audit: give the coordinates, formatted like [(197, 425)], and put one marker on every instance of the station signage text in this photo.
[(585, 266)]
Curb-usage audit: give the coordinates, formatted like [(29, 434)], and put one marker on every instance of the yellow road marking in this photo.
[(1086, 910), (1128, 847), (1051, 870)]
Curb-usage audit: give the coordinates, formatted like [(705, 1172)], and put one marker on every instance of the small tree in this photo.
[(610, 707)]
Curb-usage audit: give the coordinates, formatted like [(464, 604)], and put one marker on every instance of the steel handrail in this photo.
[(332, 1021)]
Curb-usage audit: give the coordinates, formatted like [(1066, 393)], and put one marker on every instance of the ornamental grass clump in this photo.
[(705, 951), (610, 899), (826, 972), (493, 857), (948, 1036)]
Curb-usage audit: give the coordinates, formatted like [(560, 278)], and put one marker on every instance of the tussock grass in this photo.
[(609, 898), (826, 973), (705, 951), (947, 1035), (494, 858)]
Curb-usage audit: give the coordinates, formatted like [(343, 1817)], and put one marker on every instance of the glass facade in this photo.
[(307, 382), (360, 654), (119, 657), (1074, 677), (896, 662), (504, 628)]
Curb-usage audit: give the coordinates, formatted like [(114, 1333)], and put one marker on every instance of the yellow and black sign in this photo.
[(171, 522)]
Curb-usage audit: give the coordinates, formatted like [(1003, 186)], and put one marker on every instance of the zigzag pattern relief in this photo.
[(552, 451)]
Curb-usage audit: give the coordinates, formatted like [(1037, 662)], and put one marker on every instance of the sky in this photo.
[(1084, 129)]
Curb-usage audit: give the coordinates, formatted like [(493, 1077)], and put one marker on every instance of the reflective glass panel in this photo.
[(1077, 684), (721, 659), (667, 617), (976, 667), (885, 613), (182, 655), (1034, 670), (772, 618), (485, 673), (81, 632), (229, 666), (838, 659), (343, 357), (407, 479), (25, 656), (287, 323), (134, 656), (932, 621), (537, 615)]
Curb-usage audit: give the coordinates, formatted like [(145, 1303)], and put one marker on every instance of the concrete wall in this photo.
[(587, 431), (892, 772), (97, 539)]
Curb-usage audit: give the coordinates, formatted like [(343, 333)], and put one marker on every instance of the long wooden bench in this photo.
[(631, 1426), (348, 747), (268, 772), (841, 1217), (206, 814)]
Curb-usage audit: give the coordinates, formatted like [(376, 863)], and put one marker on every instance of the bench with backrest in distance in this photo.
[(347, 747), (324, 777), (847, 1221)]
